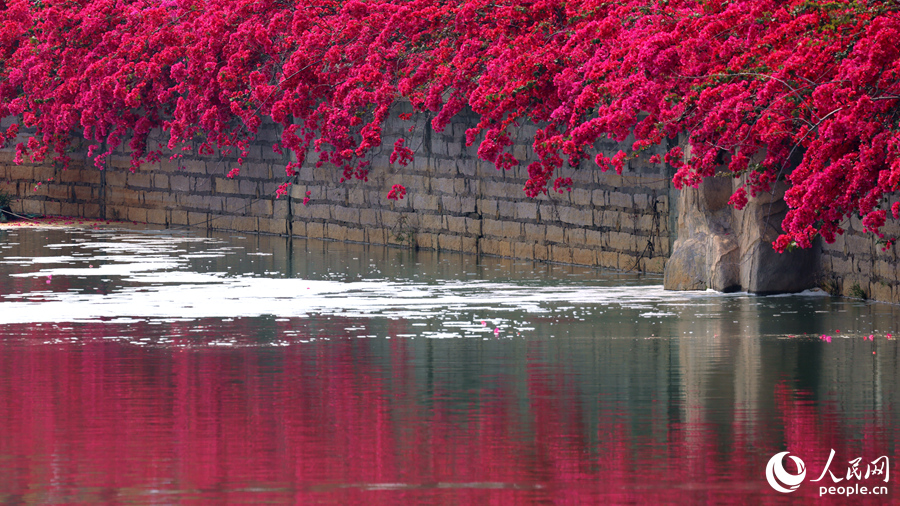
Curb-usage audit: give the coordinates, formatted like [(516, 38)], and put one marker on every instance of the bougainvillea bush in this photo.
[(801, 91)]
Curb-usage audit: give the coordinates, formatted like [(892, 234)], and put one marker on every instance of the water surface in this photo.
[(166, 367)]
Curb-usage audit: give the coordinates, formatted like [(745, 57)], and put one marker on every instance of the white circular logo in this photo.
[(779, 478)]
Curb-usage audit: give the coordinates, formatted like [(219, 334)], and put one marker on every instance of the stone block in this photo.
[(125, 197), (390, 219), (488, 207), (262, 208), (583, 256), (355, 234), (645, 223), (237, 205), (594, 238), (368, 217), (245, 224), (116, 178), (456, 224), (654, 265), (280, 209), (84, 193), (416, 184), (859, 244), (157, 216), (431, 222), (841, 266), (641, 201), (30, 206), (469, 245), (52, 208), (426, 240), (226, 185), (621, 241), (535, 233), (345, 214), (581, 197), (298, 228), (139, 180), (548, 212), (556, 234), (137, 214), (56, 191), (575, 236), (248, 188), (376, 236), (610, 219), (196, 166), (177, 217), (78, 175), (609, 259), (885, 270), (219, 222), (438, 145), (443, 185), (619, 199), (318, 211), (492, 228), (506, 208), (425, 202), (178, 183), (466, 167), (450, 242), (198, 219), (523, 250), (576, 216), (44, 173), (450, 204), (473, 227), (336, 195), (69, 209), (880, 292), (498, 247), (91, 211), (355, 196), (526, 210), (335, 231), (512, 229), (20, 172), (561, 254)]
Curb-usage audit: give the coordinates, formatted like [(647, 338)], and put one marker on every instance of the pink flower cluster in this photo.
[(805, 92)]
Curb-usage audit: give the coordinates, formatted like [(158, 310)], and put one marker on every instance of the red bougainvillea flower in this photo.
[(805, 92)]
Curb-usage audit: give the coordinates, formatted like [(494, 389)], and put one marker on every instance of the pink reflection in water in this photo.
[(102, 421)]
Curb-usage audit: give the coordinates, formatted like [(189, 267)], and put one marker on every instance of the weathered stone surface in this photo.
[(705, 253), (724, 249)]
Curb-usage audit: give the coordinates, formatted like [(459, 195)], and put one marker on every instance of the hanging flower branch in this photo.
[(801, 91)]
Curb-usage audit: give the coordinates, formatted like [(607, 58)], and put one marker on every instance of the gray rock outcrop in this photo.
[(725, 249)]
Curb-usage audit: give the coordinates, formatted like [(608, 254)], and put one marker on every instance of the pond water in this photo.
[(159, 367)]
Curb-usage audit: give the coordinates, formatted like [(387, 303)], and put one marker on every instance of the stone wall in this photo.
[(855, 264), (455, 201), (190, 191)]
